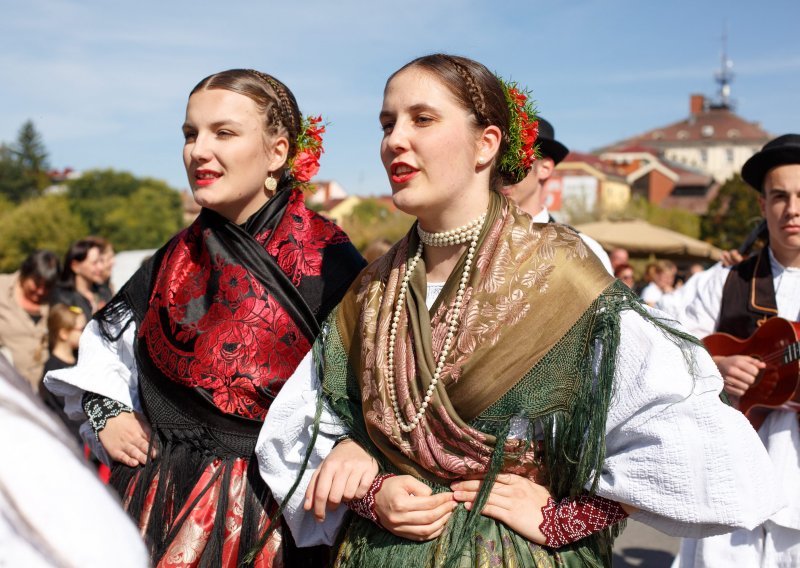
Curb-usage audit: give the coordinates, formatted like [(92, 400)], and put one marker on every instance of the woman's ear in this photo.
[(488, 144), (278, 149)]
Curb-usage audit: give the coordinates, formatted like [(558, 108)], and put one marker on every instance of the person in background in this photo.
[(82, 271), (64, 325), (738, 300), (695, 268), (529, 193), (618, 256), (663, 282), (24, 300), (624, 272), (104, 291)]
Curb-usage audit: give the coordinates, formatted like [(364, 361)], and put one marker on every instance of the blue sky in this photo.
[(106, 82)]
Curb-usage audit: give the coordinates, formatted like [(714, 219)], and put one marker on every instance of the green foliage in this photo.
[(23, 166), (372, 220), (147, 219), (14, 184), (31, 151), (99, 184), (39, 223), (132, 212), (732, 214), (677, 220)]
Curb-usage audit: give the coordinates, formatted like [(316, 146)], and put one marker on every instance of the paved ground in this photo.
[(639, 545)]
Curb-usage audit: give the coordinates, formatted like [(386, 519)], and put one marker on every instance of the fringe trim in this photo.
[(176, 472)]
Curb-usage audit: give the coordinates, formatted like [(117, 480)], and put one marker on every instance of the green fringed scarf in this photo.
[(540, 313)]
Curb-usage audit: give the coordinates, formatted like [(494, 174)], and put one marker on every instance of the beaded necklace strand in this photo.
[(460, 235)]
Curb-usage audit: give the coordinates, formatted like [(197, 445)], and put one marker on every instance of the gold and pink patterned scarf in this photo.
[(529, 286)]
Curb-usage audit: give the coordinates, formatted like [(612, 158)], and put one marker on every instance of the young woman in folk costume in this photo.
[(519, 401), (177, 373)]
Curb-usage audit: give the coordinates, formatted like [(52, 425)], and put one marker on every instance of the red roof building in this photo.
[(713, 140)]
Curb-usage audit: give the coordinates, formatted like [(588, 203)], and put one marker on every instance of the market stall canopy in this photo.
[(640, 238)]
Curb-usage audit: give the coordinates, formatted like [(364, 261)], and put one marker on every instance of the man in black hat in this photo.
[(737, 300), (528, 192)]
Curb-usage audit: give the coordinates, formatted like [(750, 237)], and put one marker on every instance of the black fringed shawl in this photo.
[(224, 313)]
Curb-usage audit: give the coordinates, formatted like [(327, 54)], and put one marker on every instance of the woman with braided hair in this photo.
[(177, 373), (519, 402)]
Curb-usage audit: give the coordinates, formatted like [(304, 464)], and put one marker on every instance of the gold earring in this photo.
[(270, 184)]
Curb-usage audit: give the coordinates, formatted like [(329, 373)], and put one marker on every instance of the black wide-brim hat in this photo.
[(779, 152), (548, 145)]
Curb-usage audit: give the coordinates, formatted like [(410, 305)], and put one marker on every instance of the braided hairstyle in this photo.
[(478, 91), (273, 98)]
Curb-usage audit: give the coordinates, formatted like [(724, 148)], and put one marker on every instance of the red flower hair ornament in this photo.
[(305, 163), (523, 130)]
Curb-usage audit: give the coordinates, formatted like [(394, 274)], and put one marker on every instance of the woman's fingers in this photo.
[(350, 489), (310, 490), (134, 451), (321, 492), (423, 532)]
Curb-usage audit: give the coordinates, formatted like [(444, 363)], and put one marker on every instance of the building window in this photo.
[(707, 131), (704, 155), (729, 155)]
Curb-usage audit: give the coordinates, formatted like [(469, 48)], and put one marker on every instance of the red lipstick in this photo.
[(402, 172)]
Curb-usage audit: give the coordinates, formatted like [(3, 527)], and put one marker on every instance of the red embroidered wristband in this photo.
[(365, 506), (573, 519)]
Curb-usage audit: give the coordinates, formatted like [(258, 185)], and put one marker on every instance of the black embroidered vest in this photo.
[(748, 298)]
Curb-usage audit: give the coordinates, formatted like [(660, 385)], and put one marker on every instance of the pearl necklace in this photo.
[(455, 236), (468, 232)]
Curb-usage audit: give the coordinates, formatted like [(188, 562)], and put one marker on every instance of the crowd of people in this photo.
[(491, 390)]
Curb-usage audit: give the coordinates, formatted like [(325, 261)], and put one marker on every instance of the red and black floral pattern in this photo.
[(299, 242), (213, 325)]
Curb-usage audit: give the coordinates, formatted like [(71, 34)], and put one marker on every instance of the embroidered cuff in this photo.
[(100, 408), (576, 518), (365, 506)]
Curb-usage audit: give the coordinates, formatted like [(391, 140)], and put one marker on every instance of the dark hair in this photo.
[(477, 90), (42, 266), (101, 242), (272, 97), (77, 252)]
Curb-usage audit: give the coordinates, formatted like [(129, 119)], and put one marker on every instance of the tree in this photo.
[(132, 212), (32, 152), (14, 185), (23, 166), (39, 223), (732, 214), (145, 220)]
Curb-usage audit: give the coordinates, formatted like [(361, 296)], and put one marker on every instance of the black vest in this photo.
[(748, 298)]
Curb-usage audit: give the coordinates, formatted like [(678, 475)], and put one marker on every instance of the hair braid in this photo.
[(274, 110), (284, 111), (474, 90)]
